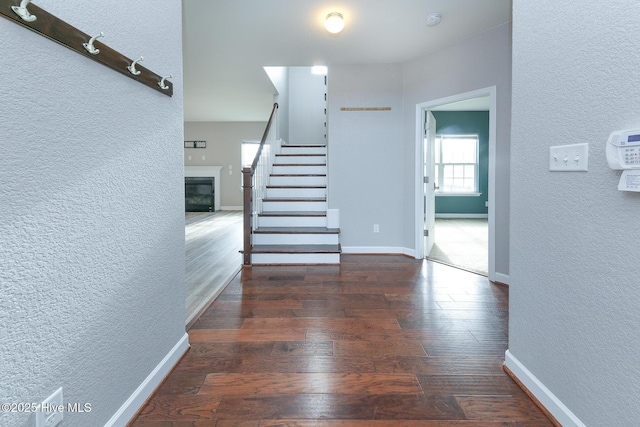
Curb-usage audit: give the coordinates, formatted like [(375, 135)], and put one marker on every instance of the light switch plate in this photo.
[(51, 411), (569, 158)]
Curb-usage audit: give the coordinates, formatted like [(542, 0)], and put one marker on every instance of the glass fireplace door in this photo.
[(199, 194)]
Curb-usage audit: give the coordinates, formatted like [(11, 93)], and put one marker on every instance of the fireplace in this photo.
[(199, 194), (212, 173)]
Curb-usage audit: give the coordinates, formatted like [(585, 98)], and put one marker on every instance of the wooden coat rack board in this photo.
[(46, 24)]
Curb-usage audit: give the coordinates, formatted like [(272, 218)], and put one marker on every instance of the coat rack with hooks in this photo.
[(42, 22)]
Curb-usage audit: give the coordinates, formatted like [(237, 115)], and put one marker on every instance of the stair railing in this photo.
[(254, 181)]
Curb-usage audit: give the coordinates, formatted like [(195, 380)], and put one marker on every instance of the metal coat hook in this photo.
[(89, 45), (161, 82), (23, 12), (132, 67), (53, 28)]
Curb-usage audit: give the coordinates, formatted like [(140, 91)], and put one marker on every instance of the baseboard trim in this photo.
[(502, 278), (462, 216), (139, 397), (231, 208), (541, 395), (366, 250)]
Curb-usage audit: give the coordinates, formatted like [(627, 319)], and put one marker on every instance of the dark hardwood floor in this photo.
[(376, 341)]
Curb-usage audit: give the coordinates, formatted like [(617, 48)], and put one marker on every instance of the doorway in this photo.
[(428, 177)]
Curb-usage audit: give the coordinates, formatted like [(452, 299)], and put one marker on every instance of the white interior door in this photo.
[(420, 190), (429, 181)]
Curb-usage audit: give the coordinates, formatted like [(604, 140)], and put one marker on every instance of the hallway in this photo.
[(385, 338)]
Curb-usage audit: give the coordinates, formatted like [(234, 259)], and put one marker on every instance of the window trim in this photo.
[(440, 170)]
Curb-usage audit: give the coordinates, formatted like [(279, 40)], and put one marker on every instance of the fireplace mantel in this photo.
[(207, 171)]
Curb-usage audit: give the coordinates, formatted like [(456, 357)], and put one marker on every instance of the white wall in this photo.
[(224, 141), (476, 63), (574, 295), (371, 154), (366, 154), (91, 211), (279, 76), (306, 106)]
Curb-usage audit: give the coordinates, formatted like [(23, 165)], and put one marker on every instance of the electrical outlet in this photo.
[(51, 410), (376, 228), (569, 158)]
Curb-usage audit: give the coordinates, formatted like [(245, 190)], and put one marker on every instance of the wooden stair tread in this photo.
[(293, 213), (297, 230), (296, 249)]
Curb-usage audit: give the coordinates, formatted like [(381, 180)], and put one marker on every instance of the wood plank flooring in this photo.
[(212, 257), (375, 341)]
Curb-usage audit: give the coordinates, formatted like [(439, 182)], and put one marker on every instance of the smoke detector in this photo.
[(433, 19)]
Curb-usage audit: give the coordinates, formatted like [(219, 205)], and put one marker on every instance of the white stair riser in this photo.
[(302, 170), (293, 206), (303, 150), (295, 258), (295, 239), (292, 221), (296, 192), (316, 160), (297, 180)]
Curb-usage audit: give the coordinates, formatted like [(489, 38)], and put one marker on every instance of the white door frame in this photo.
[(419, 197)]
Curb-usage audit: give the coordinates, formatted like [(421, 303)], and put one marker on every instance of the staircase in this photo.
[(292, 227)]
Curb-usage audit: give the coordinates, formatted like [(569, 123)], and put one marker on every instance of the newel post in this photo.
[(246, 188)]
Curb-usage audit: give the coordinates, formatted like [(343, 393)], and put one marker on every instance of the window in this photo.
[(249, 150), (456, 162)]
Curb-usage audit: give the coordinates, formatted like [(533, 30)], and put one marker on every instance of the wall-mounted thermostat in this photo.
[(623, 149), (623, 153)]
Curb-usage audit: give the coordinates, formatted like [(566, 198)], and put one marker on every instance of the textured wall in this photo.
[(574, 295), (91, 210), (224, 140), (476, 63)]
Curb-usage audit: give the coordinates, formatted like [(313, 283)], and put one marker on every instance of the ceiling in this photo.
[(226, 43)]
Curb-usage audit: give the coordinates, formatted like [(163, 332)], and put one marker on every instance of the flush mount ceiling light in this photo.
[(433, 19), (334, 23), (319, 70)]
